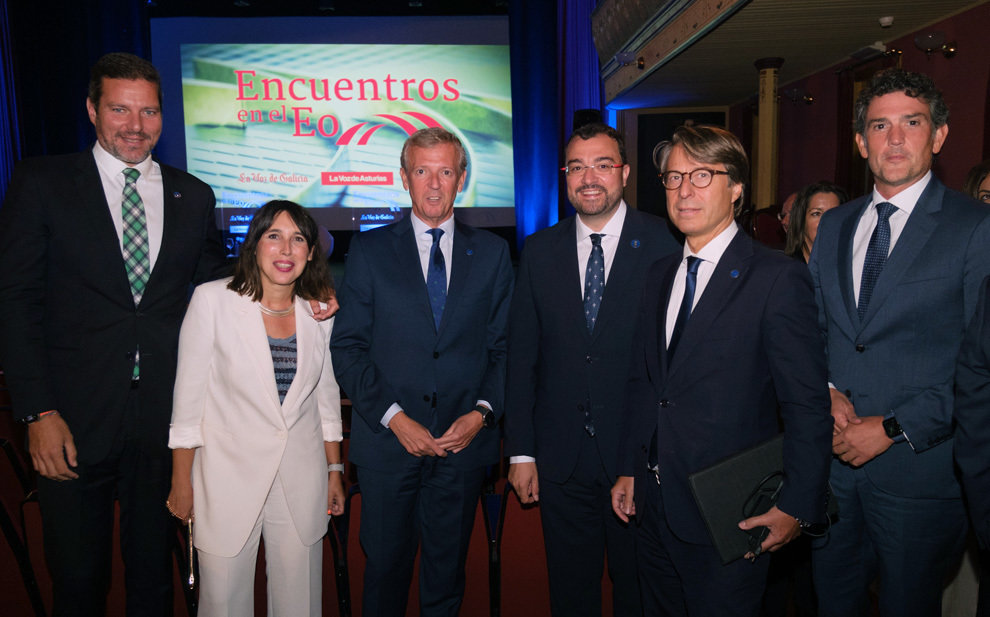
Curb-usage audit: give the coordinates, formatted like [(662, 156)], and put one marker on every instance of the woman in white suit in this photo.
[(256, 426)]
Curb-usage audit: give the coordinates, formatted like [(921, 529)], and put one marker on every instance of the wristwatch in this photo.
[(892, 428), (487, 416)]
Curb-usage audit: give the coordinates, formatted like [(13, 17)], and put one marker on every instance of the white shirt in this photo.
[(149, 187), (709, 255), (424, 242), (610, 241), (905, 202)]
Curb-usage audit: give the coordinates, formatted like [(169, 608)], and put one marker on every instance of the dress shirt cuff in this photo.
[(484, 403), (392, 410), (521, 459), (185, 437)]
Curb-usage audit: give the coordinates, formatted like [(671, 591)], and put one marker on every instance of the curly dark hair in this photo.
[(915, 85), (795, 229), (119, 65), (595, 129), (312, 284)]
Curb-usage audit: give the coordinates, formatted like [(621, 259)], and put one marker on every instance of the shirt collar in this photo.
[(420, 227), (712, 251), (612, 228), (907, 198)]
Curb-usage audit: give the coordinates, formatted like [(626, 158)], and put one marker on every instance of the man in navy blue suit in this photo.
[(897, 274), (423, 361), (570, 333), (725, 335)]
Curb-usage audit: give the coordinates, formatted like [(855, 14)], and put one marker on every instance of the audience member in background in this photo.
[(785, 211), (977, 183), (812, 202), (256, 425)]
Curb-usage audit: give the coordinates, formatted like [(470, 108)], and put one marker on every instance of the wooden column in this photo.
[(764, 185)]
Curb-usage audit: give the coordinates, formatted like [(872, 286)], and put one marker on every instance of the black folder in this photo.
[(738, 487)]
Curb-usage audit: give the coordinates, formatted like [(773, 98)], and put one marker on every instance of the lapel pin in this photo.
[(470, 251), (734, 274), (177, 194), (634, 244)]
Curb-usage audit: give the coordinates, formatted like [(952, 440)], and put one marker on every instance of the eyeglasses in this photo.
[(604, 169), (700, 178)]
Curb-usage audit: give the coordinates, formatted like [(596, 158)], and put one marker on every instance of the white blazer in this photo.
[(226, 406)]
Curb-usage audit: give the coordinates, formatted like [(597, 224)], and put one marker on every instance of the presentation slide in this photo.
[(274, 115)]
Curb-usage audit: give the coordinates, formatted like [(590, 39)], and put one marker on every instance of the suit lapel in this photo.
[(251, 330), (847, 230), (627, 254), (171, 204), (307, 335), (657, 363), (462, 258), (105, 249), (724, 283), (407, 262), (917, 230), (566, 280)]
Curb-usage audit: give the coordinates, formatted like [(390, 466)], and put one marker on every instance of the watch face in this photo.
[(891, 427)]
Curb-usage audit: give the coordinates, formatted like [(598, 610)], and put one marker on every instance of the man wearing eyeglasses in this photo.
[(726, 334), (570, 334)]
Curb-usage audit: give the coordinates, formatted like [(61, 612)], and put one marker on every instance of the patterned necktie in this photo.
[(876, 256), (436, 277), (594, 281), (690, 283), (135, 246)]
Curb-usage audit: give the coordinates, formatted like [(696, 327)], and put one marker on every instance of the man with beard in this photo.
[(97, 252), (570, 334)]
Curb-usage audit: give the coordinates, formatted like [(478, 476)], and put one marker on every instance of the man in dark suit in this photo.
[(570, 334), (972, 433), (423, 362), (897, 275), (95, 269), (725, 336)]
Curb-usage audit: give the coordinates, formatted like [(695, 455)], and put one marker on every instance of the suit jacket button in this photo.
[(580, 407), (426, 398), (664, 403), (436, 354), (860, 347), (587, 359)]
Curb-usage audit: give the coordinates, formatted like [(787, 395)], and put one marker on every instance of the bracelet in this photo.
[(335, 467), (35, 417)]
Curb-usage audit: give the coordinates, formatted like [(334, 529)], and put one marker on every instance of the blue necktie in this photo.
[(594, 281), (876, 256), (690, 283), (436, 278)]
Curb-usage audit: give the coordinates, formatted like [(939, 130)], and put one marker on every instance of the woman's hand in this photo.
[(180, 502), (336, 495)]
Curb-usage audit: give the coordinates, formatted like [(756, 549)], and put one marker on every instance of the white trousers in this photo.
[(294, 570)]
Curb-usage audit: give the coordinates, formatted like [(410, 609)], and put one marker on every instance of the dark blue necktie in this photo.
[(436, 277), (690, 283), (876, 255), (594, 281)]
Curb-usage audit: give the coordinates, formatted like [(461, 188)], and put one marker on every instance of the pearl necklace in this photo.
[(273, 313)]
